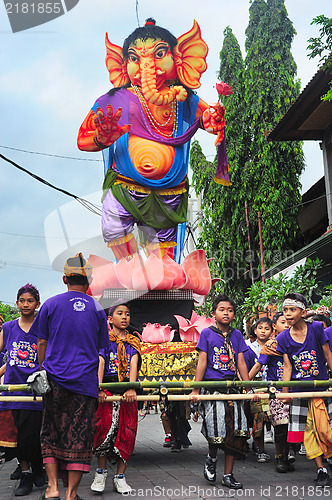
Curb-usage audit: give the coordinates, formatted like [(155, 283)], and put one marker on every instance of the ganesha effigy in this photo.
[(143, 126)]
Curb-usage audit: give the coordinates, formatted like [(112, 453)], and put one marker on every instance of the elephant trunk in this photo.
[(150, 92)]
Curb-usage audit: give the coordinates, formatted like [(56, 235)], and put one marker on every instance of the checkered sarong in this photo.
[(298, 412)]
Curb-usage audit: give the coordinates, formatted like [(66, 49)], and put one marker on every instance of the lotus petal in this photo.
[(174, 271), (183, 322), (190, 335), (156, 333), (104, 275), (124, 271), (159, 278), (197, 270)]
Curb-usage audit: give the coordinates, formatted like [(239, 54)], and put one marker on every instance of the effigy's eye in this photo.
[(133, 58), (161, 53)]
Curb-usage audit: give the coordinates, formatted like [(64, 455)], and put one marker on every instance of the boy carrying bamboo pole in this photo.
[(305, 349), (221, 358)]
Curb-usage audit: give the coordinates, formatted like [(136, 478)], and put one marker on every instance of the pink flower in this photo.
[(190, 329), (224, 89)]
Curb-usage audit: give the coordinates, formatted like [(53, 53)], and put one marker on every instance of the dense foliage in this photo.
[(263, 174), (8, 312), (269, 296), (322, 46)]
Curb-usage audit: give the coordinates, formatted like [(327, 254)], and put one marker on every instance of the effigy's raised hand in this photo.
[(107, 130), (214, 121)]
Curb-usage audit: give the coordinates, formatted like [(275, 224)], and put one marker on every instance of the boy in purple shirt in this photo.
[(221, 357), (305, 349), (71, 328), (22, 362)]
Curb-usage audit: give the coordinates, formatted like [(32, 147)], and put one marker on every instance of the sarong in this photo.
[(279, 412), (8, 430), (115, 429), (225, 424), (298, 412), (68, 428), (261, 413), (318, 431)]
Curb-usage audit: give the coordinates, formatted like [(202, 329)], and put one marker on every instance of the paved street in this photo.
[(155, 472)]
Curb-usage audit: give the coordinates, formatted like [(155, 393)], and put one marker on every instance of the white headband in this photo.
[(294, 303)]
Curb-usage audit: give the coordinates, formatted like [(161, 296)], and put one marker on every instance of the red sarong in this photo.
[(8, 431), (115, 429)]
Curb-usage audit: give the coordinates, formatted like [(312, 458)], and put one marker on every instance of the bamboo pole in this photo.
[(190, 384), (187, 397)]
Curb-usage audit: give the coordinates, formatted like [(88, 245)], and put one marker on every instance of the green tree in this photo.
[(322, 46), (219, 239), (263, 174)]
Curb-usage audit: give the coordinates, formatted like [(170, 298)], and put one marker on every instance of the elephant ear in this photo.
[(116, 67), (190, 57)]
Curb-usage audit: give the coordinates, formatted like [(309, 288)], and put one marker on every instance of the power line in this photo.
[(4, 263), (49, 154), (85, 203), (40, 237)]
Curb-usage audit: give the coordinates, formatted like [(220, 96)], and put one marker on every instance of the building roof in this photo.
[(308, 117)]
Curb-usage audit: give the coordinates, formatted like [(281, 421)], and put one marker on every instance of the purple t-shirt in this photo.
[(328, 332), (75, 327), (218, 362), (275, 366), (250, 357), (307, 359), (22, 361), (111, 358)]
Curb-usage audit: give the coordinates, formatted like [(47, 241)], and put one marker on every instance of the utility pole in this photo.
[(261, 245), (249, 242)]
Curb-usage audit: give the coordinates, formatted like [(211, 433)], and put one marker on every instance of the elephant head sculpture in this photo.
[(153, 58)]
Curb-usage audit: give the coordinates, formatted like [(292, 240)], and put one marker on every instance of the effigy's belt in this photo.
[(134, 186)]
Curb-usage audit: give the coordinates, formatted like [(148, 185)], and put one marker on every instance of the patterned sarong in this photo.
[(68, 428), (279, 412), (225, 424), (115, 429)]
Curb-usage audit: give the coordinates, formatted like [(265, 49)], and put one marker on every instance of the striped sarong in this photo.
[(224, 423)]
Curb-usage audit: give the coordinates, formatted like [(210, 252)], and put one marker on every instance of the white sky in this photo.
[(50, 77)]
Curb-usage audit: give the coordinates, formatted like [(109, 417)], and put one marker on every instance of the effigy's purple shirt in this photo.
[(307, 359), (75, 327), (218, 362), (133, 114), (22, 361)]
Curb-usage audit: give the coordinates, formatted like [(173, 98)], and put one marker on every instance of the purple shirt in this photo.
[(75, 327), (218, 362), (22, 361), (275, 366), (307, 359), (111, 358), (328, 332), (250, 358)]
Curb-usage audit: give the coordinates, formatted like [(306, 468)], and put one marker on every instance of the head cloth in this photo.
[(293, 303), (84, 269)]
